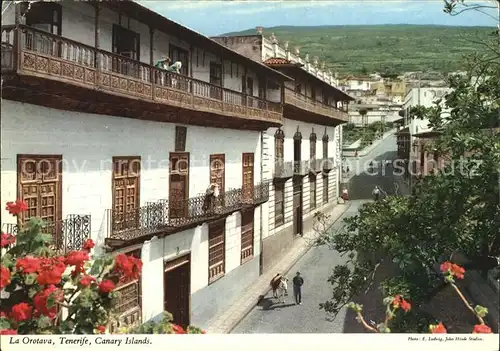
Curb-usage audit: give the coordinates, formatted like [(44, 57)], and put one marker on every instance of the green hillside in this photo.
[(393, 48)]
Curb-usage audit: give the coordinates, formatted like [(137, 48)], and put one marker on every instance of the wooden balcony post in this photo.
[(17, 37), (97, 8), (152, 71)]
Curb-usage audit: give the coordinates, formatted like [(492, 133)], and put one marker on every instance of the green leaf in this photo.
[(97, 266), (32, 293), (30, 279), (7, 260), (4, 323), (44, 322), (43, 238)]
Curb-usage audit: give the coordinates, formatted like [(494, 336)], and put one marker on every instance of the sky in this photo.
[(212, 17)]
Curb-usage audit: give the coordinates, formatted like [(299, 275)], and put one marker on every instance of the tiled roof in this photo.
[(277, 61)]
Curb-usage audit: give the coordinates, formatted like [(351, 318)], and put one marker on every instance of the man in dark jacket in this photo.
[(297, 286)]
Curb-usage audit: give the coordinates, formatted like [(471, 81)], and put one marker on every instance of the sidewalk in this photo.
[(226, 321)]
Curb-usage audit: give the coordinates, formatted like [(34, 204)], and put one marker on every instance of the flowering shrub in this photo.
[(450, 272), (44, 292)]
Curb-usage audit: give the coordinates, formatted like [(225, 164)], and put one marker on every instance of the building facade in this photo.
[(102, 144), (303, 156)]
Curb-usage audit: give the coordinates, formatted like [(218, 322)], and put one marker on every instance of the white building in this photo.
[(102, 144), (303, 156), (374, 113)]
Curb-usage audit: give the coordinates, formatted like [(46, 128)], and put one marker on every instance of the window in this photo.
[(325, 146), (46, 17), (248, 163), (279, 150), (279, 204), (312, 194), (247, 85), (246, 236), (216, 250), (325, 189), (39, 185), (178, 54), (125, 43), (312, 145), (180, 138), (125, 187), (217, 170), (129, 302), (215, 79)]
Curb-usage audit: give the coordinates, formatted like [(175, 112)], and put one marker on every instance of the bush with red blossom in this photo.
[(44, 292)]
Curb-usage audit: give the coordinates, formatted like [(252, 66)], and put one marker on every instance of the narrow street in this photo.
[(316, 265)]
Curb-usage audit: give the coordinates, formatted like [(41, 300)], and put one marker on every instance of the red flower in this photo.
[(4, 277), (16, 207), (178, 329), (86, 280), (405, 305), (7, 239), (40, 301), (88, 244), (438, 329), (28, 264), (51, 270), (8, 332), (481, 329), (101, 329), (453, 269), (21, 312), (397, 301), (77, 258), (3, 315), (128, 267), (106, 286)]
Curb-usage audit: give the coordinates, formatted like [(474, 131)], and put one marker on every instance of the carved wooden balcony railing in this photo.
[(315, 165), (328, 164), (258, 195), (282, 169), (171, 216), (50, 56), (67, 235), (301, 168), (308, 104)]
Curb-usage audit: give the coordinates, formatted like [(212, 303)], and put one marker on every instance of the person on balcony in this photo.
[(163, 65), (211, 194)]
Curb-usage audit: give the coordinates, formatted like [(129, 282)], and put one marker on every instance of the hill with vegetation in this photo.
[(383, 48)]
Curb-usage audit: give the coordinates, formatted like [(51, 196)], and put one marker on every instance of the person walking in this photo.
[(345, 195), (297, 288), (376, 193)]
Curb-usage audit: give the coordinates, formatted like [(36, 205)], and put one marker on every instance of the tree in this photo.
[(454, 211)]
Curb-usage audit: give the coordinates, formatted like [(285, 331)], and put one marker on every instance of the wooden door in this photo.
[(177, 289), (179, 184), (248, 164), (126, 192), (40, 186), (215, 80), (297, 207), (247, 235), (125, 43)]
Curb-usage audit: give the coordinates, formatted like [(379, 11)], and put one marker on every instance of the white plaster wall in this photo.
[(88, 142), (8, 13)]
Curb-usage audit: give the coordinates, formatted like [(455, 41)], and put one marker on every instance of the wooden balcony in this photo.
[(67, 235), (283, 170), (325, 114), (165, 217), (86, 79)]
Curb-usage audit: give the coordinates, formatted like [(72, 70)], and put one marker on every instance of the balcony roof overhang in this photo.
[(157, 21), (295, 69), (404, 131)]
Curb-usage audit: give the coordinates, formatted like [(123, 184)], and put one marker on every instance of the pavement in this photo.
[(271, 316), (225, 322)]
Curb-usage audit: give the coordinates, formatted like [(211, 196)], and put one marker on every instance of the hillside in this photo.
[(394, 48)]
